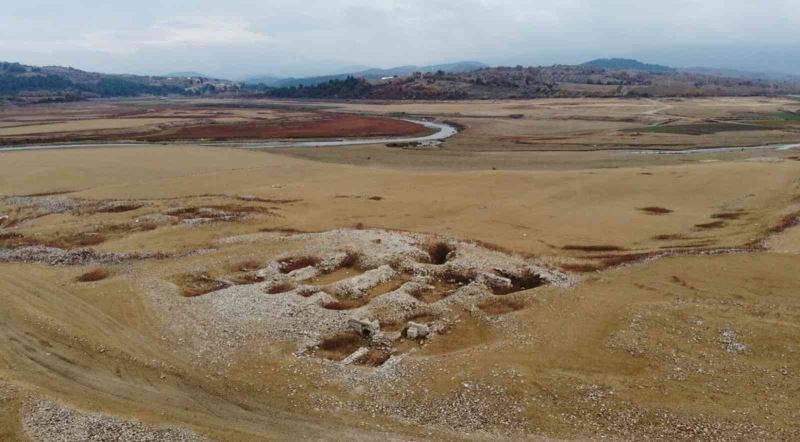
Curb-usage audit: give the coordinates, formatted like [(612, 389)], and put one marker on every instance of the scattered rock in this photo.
[(365, 328), (728, 340), (417, 331)]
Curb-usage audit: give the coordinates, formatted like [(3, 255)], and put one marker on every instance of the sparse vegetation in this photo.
[(655, 210), (593, 248), (94, 275), (198, 283)]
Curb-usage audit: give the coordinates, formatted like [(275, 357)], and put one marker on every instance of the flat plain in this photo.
[(539, 275)]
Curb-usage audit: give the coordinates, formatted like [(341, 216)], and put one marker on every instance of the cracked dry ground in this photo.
[(182, 294)]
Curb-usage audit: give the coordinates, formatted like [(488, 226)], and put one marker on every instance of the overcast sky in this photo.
[(235, 38)]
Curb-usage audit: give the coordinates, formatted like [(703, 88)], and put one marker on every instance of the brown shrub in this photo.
[(119, 208), (596, 248), (247, 266), (199, 283), (655, 210), (351, 260), (13, 239), (454, 276), (728, 215), (670, 237), (93, 275), (786, 222), (284, 230), (280, 287), (146, 227), (711, 225), (74, 241), (346, 304), (579, 268)]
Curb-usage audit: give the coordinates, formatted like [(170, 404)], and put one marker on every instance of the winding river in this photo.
[(442, 131)]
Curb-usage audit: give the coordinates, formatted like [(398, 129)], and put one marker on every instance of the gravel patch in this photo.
[(60, 257), (729, 342), (49, 204), (48, 421)]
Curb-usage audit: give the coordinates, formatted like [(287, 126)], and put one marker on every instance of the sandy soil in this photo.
[(661, 302)]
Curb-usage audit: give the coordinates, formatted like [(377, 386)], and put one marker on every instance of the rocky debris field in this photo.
[(354, 297), (47, 421)]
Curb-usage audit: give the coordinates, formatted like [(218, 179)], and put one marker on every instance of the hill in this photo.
[(560, 81), (620, 64), (368, 74), (735, 73), (190, 74), (26, 84)]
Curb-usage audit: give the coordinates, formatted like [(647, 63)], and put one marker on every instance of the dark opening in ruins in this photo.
[(340, 346), (288, 265), (525, 280), (440, 252)]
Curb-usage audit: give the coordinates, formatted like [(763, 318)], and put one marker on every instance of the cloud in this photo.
[(197, 32), (297, 37)]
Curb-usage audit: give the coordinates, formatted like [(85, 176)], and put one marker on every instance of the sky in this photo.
[(238, 38)]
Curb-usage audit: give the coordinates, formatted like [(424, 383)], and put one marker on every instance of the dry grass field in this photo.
[(526, 285)]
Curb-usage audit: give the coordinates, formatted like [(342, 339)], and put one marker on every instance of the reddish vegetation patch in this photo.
[(326, 126), (654, 210)]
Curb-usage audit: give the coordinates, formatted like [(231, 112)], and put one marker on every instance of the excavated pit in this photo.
[(362, 297), (339, 346)]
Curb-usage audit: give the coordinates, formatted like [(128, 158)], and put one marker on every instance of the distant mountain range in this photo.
[(745, 75), (609, 77), (368, 74), (188, 74), (626, 64)]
